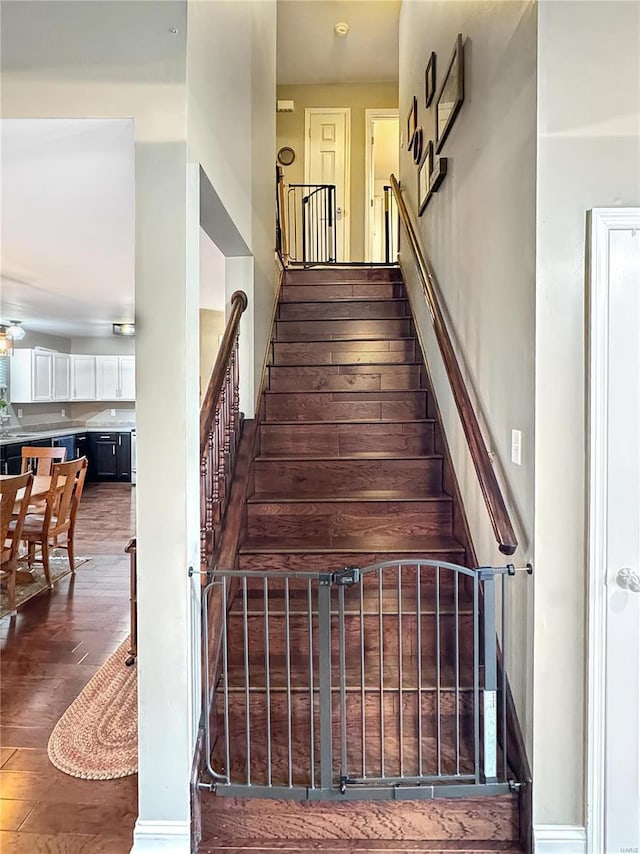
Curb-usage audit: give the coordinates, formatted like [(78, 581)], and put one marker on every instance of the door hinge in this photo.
[(346, 577)]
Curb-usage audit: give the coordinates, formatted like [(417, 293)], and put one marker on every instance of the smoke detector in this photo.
[(341, 29)]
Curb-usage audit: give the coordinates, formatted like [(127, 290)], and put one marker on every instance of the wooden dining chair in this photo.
[(44, 529), (13, 510), (41, 459)]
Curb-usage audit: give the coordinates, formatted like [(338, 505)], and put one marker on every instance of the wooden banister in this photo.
[(219, 432), (493, 497)]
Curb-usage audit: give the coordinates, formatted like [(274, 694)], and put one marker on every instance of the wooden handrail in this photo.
[(239, 303), (493, 497), (220, 426)]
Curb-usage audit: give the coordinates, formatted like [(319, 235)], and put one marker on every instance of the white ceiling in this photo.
[(309, 51), (67, 230)]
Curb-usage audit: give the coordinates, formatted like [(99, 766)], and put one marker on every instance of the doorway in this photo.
[(382, 141), (613, 769), (327, 156)]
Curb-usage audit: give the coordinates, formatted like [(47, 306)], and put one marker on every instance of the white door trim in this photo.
[(369, 117), (600, 222), (346, 112)]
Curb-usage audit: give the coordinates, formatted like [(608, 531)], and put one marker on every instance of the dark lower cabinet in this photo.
[(11, 455), (110, 456)]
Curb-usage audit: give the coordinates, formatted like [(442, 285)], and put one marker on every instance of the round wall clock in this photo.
[(417, 146), (286, 156)]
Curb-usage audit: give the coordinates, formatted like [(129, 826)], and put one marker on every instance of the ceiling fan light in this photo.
[(127, 330), (15, 331)]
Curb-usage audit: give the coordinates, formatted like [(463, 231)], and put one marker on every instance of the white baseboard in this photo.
[(164, 837), (559, 839)]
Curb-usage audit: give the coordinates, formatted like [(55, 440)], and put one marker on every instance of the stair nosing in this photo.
[(348, 421), (345, 340), (265, 498), (344, 390), (411, 363), (337, 549), (378, 456), (342, 300)]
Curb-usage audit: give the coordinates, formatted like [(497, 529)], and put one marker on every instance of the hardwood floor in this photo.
[(48, 653)]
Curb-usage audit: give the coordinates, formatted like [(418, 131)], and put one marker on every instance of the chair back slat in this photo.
[(60, 495), (41, 460)]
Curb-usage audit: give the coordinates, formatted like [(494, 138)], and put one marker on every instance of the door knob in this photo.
[(628, 579)]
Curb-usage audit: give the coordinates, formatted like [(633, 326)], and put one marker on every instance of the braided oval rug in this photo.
[(97, 737)]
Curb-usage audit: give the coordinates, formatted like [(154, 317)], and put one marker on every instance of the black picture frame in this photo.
[(424, 177), (430, 80), (451, 95), (412, 122), (438, 174)]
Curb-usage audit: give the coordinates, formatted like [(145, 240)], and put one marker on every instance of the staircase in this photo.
[(351, 470)]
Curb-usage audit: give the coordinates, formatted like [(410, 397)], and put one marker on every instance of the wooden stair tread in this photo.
[(379, 543)]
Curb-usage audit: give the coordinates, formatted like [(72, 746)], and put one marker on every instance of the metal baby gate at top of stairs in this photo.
[(376, 683)]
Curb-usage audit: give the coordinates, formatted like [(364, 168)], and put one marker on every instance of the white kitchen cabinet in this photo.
[(83, 377), (31, 376), (127, 377), (108, 377), (61, 376), (116, 377)]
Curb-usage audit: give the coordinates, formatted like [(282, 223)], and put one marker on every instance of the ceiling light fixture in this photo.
[(127, 330), (15, 330), (341, 29)]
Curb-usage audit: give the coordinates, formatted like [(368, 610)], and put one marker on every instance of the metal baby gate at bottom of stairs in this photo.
[(375, 683)]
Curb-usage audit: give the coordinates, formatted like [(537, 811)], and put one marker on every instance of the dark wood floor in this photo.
[(48, 653)]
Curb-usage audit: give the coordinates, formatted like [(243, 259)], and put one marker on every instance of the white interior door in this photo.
[(622, 782), (327, 162), (614, 634)]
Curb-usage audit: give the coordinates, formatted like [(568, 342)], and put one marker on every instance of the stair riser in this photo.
[(245, 819), (453, 729), (337, 310), (311, 293), (346, 352), (345, 406), (331, 561), (345, 378), (337, 275), (299, 643), (340, 330), (376, 437), (326, 519), (294, 478), (432, 584)]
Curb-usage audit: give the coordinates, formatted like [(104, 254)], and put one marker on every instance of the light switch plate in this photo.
[(63, 412), (516, 447), (19, 413), (113, 412)]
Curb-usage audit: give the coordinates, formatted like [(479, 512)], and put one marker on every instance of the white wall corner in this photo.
[(559, 839), (165, 837)]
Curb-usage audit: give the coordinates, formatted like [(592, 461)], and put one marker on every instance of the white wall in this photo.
[(231, 132), (479, 231), (588, 156)]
